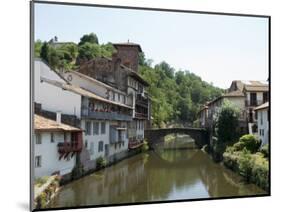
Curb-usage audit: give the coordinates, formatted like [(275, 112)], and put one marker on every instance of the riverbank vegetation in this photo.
[(45, 190), (245, 158), (225, 129), (176, 94)]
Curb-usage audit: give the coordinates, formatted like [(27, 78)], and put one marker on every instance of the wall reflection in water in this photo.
[(157, 175)]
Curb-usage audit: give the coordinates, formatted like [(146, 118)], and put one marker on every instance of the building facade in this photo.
[(56, 146), (263, 122)]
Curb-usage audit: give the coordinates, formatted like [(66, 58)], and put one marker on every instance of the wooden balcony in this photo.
[(133, 144), (141, 115), (103, 115)]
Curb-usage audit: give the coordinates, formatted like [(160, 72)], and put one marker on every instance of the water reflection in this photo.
[(153, 176)]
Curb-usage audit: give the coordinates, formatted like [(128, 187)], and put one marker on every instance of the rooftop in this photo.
[(263, 106), (128, 44), (82, 92), (44, 124)]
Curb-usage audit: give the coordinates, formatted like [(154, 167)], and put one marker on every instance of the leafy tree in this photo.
[(88, 51), (227, 123), (37, 48), (89, 38), (44, 51)]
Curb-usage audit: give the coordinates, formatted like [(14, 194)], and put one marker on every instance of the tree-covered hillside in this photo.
[(176, 95)]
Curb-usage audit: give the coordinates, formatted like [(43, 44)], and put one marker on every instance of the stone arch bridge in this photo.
[(155, 136)]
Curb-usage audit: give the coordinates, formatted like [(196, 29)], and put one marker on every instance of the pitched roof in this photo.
[(96, 81), (44, 124), (83, 92), (236, 93), (128, 44), (261, 88), (263, 106)]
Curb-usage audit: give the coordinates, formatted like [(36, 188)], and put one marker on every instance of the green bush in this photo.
[(250, 142), (41, 200), (265, 150), (253, 167), (145, 146), (41, 180), (260, 171), (101, 162), (244, 164)]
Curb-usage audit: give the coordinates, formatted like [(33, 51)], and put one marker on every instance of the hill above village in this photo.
[(176, 94)]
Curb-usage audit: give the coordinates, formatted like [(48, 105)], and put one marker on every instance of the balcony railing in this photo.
[(68, 147), (135, 144), (141, 101), (253, 103), (141, 115), (106, 115)]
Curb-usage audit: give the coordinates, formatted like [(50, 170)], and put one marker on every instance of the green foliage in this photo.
[(41, 180), (101, 162), (226, 125), (145, 146), (44, 51), (245, 166), (249, 142), (41, 200), (173, 93), (37, 48), (89, 38), (265, 150), (253, 167)]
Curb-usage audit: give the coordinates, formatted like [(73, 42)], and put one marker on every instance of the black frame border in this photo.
[(31, 65)]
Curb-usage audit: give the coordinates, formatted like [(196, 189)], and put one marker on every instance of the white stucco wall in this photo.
[(93, 140), (53, 98), (48, 151), (96, 88), (263, 129)]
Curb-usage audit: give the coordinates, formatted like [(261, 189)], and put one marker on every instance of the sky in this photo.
[(218, 48)]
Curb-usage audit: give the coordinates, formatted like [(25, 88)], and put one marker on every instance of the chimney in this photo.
[(58, 117)]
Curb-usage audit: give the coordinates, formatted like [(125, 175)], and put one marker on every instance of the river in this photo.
[(163, 174)]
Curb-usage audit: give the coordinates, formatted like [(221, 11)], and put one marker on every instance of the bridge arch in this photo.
[(154, 136)]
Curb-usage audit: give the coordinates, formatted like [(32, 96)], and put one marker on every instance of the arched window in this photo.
[(100, 146)]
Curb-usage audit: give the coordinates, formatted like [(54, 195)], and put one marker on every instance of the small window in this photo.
[(52, 138), (103, 129), (95, 128), (88, 128), (92, 148), (119, 97), (38, 139), (86, 144), (100, 146), (64, 136), (38, 161)]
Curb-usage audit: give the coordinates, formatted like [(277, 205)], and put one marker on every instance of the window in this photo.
[(115, 146), (52, 138), (95, 128), (119, 97), (100, 146), (265, 97), (113, 96), (64, 136), (86, 144), (103, 129), (38, 161), (92, 148), (88, 128), (261, 120), (38, 139)]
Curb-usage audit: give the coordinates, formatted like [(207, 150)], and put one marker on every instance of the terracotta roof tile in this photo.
[(44, 124)]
